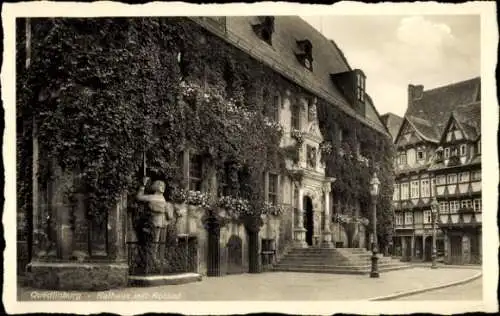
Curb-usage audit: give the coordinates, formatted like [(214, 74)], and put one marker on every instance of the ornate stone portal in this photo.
[(314, 183)]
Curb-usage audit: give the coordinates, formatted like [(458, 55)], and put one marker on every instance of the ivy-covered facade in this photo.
[(256, 124)]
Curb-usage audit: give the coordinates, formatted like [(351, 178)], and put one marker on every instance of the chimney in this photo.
[(415, 92)]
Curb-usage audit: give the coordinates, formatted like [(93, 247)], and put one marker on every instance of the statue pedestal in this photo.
[(326, 242), (299, 235)]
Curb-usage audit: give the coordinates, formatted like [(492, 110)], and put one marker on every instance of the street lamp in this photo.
[(434, 210), (374, 191)]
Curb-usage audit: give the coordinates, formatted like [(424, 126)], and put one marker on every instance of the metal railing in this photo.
[(163, 258)]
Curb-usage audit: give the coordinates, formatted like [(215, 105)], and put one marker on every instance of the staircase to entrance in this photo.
[(335, 260)]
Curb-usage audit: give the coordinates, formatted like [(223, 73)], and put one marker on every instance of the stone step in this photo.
[(338, 263), (338, 270), (331, 266)]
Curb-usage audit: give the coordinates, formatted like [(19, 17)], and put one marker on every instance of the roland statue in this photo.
[(161, 211)]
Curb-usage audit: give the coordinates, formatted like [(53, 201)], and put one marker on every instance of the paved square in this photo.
[(285, 286)]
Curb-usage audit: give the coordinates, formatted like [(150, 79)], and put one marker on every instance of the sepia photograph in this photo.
[(277, 157)]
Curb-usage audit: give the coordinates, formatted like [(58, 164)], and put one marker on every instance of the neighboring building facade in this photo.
[(312, 70), (438, 153), (392, 122)]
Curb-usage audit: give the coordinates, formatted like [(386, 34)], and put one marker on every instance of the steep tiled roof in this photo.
[(436, 105), (424, 127), (469, 118), (393, 123), (327, 58)]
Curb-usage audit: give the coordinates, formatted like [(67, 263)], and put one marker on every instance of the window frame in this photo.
[(272, 196), (447, 153), (295, 116), (425, 188), (427, 216), (396, 193), (477, 202), (463, 150), (405, 185), (474, 175), (415, 189), (463, 175), (399, 219), (407, 216), (197, 180), (444, 207), (441, 179), (450, 176)]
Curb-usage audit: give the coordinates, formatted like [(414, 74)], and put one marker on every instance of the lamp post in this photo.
[(374, 188), (434, 210)]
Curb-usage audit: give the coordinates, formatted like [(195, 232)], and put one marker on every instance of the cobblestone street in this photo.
[(281, 286)]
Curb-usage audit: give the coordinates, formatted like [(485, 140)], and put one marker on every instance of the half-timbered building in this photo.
[(438, 153)]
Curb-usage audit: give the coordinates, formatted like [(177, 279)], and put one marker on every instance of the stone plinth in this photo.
[(72, 276), (299, 239)]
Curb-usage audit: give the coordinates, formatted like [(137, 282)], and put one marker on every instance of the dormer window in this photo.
[(360, 86), (265, 28), (304, 53)]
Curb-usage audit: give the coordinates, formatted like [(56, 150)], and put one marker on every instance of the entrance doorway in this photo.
[(308, 219), (428, 248), (456, 249)]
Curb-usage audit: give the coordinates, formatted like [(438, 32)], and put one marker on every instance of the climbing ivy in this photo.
[(104, 92)]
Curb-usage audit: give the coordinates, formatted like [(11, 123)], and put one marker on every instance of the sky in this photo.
[(394, 51)]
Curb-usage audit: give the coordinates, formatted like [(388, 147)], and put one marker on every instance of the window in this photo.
[(399, 219), (295, 116), (463, 150), (395, 196), (458, 135), (408, 218), (469, 204), (304, 54), (360, 86), (403, 158), (440, 180), (463, 204), (476, 175), (195, 165), (224, 181), (454, 151), (420, 155), (433, 186), (463, 177), (447, 153), (424, 188), (452, 178), (415, 189), (454, 206), (444, 208), (427, 217), (404, 191), (477, 205), (265, 28), (272, 193)]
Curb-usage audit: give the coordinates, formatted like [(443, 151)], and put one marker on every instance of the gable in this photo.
[(407, 135), (452, 132)]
